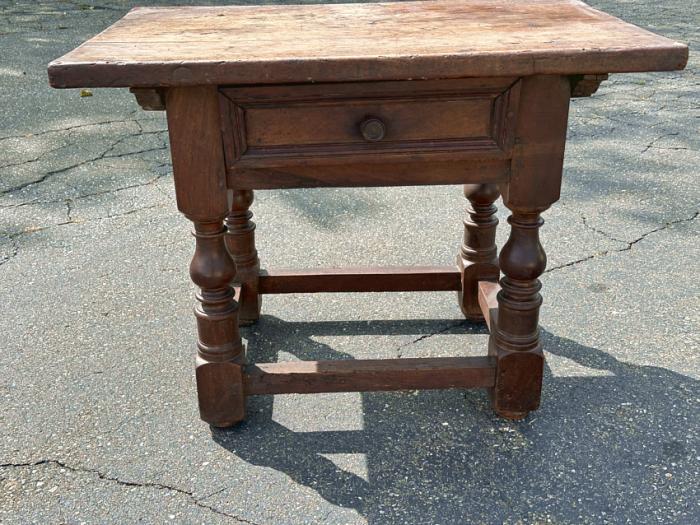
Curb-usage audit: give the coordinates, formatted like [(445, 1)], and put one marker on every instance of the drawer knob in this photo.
[(372, 129)]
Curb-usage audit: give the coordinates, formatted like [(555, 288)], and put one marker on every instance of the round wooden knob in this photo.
[(372, 129)]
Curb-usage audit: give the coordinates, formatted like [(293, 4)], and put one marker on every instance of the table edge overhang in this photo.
[(65, 73)]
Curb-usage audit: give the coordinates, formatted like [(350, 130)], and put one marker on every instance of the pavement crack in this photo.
[(664, 226), (101, 218), (126, 483), (577, 261), (654, 141), (673, 148), (600, 232), (399, 352), (96, 193), (69, 221), (628, 244), (140, 126), (130, 212), (77, 126), (69, 211), (130, 153), (13, 252), (35, 159), (104, 155)]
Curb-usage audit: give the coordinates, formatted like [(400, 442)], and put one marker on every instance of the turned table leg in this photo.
[(477, 260), (240, 241), (534, 184), (220, 352), (200, 189), (515, 339)]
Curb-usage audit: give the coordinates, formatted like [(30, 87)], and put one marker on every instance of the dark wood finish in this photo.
[(285, 125), (374, 94), (197, 154), (150, 99), (434, 132), (585, 85), (388, 279), (198, 170), (380, 171), (538, 155), (515, 338), (534, 185), (488, 301), (478, 260), (240, 241), (178, 46), (305, 377)]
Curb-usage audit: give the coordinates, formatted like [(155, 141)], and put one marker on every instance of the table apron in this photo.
[(369, 134)]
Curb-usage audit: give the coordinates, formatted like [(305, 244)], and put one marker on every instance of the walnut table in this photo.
[(409, 93)]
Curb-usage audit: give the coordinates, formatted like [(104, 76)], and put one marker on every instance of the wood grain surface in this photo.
[(422, 120), (375, 279), (488, 301), (174, 46), (306, 377)]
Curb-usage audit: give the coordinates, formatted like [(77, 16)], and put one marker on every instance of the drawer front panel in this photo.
[(313, 124), (283, 125)]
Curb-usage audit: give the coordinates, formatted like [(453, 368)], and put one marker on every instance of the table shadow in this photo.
[(601, 447)]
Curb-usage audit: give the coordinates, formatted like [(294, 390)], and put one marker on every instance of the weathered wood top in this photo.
[(354, 42)]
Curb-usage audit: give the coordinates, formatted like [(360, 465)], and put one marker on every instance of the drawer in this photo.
[(369, 122)]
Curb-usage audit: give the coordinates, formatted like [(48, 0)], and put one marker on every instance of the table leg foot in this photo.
[(477, 260), (220, 393), (220, 353), (515, 338), (511, 414)]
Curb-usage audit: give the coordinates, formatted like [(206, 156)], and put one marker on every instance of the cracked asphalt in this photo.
[(98, 419)]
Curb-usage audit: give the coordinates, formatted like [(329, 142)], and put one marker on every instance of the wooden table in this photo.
[(411, 93)]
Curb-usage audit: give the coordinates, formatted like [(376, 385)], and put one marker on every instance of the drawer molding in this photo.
[(283, 126)]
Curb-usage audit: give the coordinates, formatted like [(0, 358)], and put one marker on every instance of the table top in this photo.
[(172, 46)]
